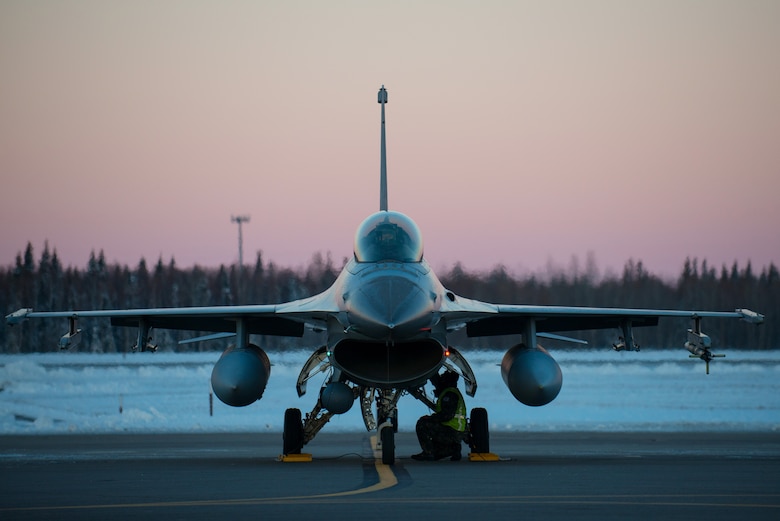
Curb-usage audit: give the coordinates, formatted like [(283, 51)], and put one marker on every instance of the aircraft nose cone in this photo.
[(390, 305)]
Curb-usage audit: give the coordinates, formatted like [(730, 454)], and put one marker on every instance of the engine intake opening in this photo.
[(386, 366)]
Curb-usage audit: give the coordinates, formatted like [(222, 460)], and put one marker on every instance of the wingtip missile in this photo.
[(751, 316), (382, 96), (18, 316)]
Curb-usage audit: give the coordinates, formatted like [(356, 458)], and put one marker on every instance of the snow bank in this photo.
[(602, 391)]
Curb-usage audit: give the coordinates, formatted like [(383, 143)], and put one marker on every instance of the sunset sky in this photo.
[(519, 133)]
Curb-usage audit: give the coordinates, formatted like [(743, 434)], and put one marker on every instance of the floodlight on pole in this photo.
[(240, 219)]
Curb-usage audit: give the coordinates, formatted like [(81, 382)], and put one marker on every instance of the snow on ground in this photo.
[(602, 391)]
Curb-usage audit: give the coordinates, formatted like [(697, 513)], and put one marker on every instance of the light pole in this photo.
[(240, 219)]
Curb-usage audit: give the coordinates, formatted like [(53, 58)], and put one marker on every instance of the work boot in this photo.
[(423, 456)]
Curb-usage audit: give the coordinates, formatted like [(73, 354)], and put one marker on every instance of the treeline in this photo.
[(699, 286), (45, 285)]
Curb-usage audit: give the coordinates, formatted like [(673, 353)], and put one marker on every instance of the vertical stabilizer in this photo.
[(383, 155)]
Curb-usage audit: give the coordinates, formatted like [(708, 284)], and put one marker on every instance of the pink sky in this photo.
[(520, 133)]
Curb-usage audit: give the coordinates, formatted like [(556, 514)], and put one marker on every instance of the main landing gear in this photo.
[(293, 437), (378, 406), (478, 437)]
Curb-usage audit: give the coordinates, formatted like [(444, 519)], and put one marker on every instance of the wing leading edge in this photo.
[(484, 319), (512, 319), (287, 319)]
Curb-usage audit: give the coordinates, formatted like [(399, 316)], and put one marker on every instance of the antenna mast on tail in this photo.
[(382, 98)]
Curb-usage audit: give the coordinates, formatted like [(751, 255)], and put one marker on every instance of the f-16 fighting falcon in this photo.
[(386, 320)]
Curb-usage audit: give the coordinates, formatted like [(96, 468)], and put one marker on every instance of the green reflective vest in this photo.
[(458, 422)]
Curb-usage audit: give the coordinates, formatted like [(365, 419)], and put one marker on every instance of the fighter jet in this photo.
[(386, 322)]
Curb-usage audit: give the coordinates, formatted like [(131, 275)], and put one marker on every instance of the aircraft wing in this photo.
[(485, 319), (287, 319)]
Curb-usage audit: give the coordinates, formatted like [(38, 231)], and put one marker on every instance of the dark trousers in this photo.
[(438, 439)]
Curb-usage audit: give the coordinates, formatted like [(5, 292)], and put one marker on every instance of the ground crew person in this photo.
[(441, 433)]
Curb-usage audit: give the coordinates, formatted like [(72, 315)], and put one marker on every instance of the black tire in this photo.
[(478, 428), (292, 436), (387, 436)]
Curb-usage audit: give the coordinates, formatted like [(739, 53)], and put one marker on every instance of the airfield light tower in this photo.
[(240, 219)]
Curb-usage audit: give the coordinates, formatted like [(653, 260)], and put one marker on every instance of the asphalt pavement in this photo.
[(549, 476)]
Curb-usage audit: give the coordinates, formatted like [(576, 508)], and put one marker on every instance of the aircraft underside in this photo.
[(377, 375)]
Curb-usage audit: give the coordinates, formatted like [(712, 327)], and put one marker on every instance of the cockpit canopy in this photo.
[(388, 236)]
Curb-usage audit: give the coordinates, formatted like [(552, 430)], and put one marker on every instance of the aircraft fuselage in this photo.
[(391, 302), (388, 334)]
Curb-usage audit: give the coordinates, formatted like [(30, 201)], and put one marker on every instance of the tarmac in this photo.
[(550, 476)]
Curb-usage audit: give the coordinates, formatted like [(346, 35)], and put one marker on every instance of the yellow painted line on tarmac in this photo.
[(385, 473)]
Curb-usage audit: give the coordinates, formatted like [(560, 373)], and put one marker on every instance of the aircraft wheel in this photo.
[(387, 436), (478, 427), (293, 432)]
